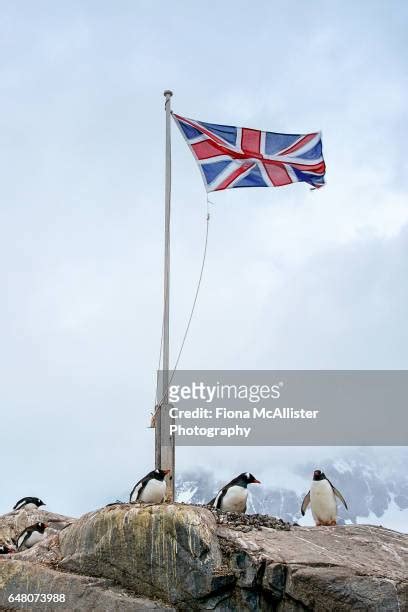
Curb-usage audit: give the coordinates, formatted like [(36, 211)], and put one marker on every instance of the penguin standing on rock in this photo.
[(151, 489), (28, 503), (322, 499), (233, 497), (30, 536)]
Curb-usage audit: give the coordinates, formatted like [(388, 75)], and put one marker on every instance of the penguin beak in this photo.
[(167, 471), (255, 481)]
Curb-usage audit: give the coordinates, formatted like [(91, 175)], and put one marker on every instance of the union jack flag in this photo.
[(230, 157)]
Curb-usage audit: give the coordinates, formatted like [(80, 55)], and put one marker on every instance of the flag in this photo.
[(230, 157)]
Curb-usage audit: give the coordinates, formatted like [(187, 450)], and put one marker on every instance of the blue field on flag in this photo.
[(230, 157)]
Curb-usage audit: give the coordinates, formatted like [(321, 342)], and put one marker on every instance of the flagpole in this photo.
[(164, 443)]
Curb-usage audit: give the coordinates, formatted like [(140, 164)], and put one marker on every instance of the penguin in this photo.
[(30, 536), (151, 489), (233, 497), (28, 503), (5, 549), (322, 499)]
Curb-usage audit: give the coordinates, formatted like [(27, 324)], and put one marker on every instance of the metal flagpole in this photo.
[(165, 447)]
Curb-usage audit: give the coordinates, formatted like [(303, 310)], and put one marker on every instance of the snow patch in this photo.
[(393, 518), (342, 466), (185, 496)]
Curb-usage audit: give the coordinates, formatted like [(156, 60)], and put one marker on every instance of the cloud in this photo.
[(293, 278)]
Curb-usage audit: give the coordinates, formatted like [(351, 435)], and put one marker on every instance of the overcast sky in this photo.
[(294, 278)]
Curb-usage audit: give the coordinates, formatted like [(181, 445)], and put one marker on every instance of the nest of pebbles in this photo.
[(249, 522), (244, 522)]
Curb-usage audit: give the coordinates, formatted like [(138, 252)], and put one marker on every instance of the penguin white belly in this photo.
[(32, 539), (235, 499), (30, 507), (323, 503), (154, 492)]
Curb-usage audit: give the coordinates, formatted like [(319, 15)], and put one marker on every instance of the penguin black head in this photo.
[(160, 474), (247, 478), (318, 475)]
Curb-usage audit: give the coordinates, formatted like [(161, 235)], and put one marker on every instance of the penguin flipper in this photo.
[(18, 505), (22, 539), (137, 490), (305, 503), (218, 498), (339, 495), (217, 501), (211, 502)]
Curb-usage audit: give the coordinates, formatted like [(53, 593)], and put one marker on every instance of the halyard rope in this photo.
[(191, 312)]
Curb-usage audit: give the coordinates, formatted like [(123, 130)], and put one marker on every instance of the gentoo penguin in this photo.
[(28, 503), (322, 499), (5, 549), (30, 536), (233, 497), (151, 489)]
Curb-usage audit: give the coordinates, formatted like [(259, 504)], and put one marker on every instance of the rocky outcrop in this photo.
[(81, 592), (339, 568), (169, 552), (132, 556), (13, 523)]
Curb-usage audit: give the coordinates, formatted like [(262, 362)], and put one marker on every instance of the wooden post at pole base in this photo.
[(165, 444)]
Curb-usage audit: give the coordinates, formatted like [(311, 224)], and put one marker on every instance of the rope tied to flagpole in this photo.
[(200, 277)]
